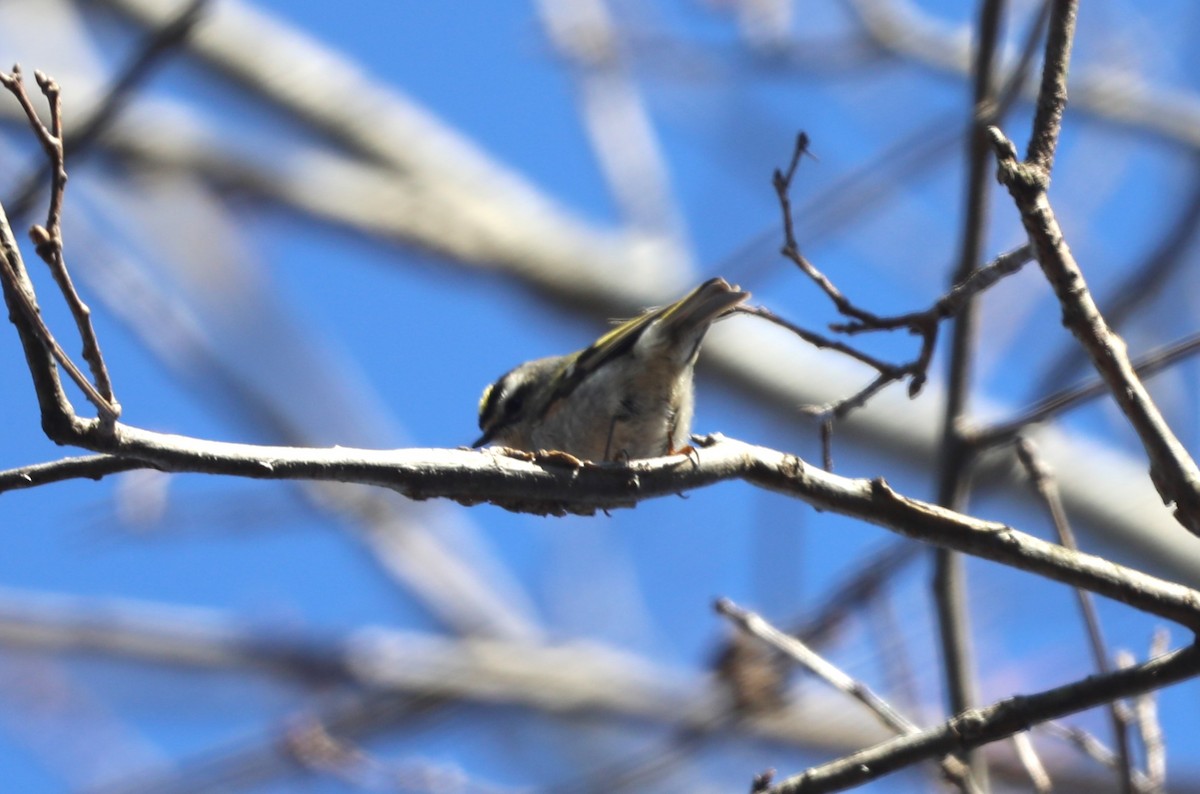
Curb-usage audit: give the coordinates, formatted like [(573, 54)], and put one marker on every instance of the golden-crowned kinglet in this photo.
[(629, 395)]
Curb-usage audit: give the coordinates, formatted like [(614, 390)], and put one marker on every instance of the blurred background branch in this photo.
[(316, 230)]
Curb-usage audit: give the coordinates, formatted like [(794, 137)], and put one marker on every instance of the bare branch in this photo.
[(954, 457), (1052, 96), (952, 303), (1141, 282), (800, 653), (528, 483), (36, 340), (977, 727), (1032, 764), (1047, 488), (1150, 364), (49, 244), (159, 43), (91, 467), (924, 323), (1145, 711), (1172, 469), (1093, 748), (823, 342)]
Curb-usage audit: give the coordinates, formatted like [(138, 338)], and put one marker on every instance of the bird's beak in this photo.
[(485, 438)]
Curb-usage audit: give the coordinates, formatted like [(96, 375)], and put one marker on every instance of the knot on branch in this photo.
[(46, 244), (1011, 171), (969, 726)]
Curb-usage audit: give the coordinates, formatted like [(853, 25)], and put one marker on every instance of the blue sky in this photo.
[(362, 342)]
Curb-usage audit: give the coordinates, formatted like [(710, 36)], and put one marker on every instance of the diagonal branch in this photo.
[(1172, 469), (1065, 399), (38, 344), (977, 727), (953, 769)]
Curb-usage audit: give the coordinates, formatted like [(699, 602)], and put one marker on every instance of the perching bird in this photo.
[(628, 395)]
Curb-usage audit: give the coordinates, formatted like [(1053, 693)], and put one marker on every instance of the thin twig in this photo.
[(953, 302), (782, 181), (1052, 95), (1145, 711), (839, 409), (58, 415), (48, 242), (757, 626), (823, 342), (1066, 399), (830, 212), (1046, 486), (91, 467), (886, 374), (862, 586), (140, 67), (1093, 748), (924, 323), (1030, 762)]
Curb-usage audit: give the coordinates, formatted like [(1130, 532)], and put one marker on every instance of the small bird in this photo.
[(629, 395)]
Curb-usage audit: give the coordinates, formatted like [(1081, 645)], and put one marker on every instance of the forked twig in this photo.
[(923, 323), (49, 245)]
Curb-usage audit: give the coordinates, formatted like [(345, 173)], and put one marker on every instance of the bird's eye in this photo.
[(502, 404), (515, 402)]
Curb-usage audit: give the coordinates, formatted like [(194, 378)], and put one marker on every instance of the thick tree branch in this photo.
[(526, 483)]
